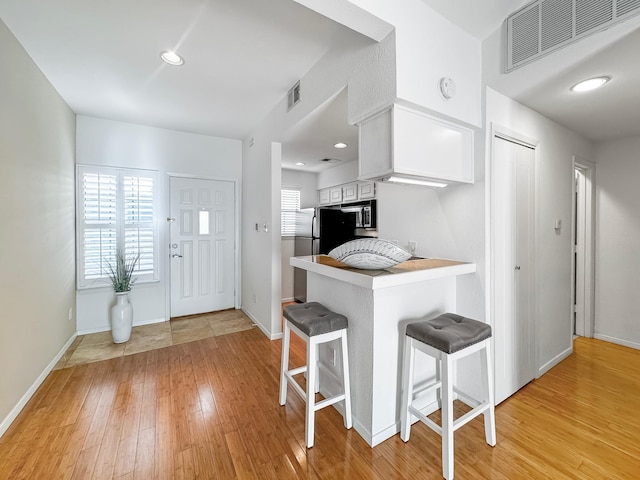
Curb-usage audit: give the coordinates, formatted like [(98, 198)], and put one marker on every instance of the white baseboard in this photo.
[(270, 336), (287, 300), (15, 411), (89, 331), (618, 341), (554, 361)]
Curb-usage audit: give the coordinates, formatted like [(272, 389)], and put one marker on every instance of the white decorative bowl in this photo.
[(369, 254)]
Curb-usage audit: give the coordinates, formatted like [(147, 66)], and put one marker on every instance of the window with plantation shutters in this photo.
[(290, 203), (116, 212)]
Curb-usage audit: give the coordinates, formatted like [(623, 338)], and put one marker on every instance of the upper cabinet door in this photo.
[(366, 190), (324, 197), (350, 192), (335, 194)]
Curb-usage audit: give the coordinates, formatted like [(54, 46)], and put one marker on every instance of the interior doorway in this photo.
[(583, 248)]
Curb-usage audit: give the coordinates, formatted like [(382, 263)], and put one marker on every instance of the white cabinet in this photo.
[(350, 192), (409, 143), (324, 197), (335, 195), (366, 190)]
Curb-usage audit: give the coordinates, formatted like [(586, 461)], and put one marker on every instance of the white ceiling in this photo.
[(312, 139), (241, 56), (608, 113), (479, 18)]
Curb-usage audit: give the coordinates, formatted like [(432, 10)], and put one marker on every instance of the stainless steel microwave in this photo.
[(365, 213)]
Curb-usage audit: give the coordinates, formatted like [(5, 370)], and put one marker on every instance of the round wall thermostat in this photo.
[(447, 87)]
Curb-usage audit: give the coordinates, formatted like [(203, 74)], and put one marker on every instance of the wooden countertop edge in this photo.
[(393, 279)]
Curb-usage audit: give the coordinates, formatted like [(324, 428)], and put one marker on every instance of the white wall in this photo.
[(428, 47), (118, 144), (37, 246), (554, 177), (306, 182), (617, 232), (338, 175)]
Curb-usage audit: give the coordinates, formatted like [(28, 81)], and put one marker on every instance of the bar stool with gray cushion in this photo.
[(315, 324), (447, 338)]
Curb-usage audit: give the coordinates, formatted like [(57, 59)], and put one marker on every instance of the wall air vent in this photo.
[(293, 96), (543, 26)]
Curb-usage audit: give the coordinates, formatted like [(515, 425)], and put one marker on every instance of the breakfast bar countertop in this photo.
[(411, 271)]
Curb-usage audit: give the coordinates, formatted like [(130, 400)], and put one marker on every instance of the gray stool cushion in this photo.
[(313, 318), (449, 332)]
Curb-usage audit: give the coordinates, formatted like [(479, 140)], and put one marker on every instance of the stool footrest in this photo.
[(298, 389), (328, 401), (470, 415), (296, 371), (463, 420), (426, 420)]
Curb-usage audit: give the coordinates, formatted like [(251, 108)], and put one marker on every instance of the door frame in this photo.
[(508, 134), (588, 169), (166, 264)]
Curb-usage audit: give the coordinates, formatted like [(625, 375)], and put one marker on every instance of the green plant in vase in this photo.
[(121, 274)]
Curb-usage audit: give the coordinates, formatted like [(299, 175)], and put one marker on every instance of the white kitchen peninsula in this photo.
[(378, 304)]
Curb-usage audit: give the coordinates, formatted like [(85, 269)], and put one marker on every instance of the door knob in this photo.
[(517, 267), (175, 255)]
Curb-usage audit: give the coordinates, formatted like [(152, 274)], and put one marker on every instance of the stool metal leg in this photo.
[(348, 423), (447, 417), (285, 363), (312, 371), (489, 415), (407, 388)]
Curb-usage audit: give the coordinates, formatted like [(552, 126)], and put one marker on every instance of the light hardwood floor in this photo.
[(209, 409)]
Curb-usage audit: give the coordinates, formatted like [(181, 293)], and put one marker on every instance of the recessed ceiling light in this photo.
[(590, 84), (341, 145), (172, 58), (300, 164)]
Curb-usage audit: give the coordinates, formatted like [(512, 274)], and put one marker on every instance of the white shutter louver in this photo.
[(289, 205), (100, 211), (138, 219)]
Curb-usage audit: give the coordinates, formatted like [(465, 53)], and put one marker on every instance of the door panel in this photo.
[(202, 245), (513, 247)]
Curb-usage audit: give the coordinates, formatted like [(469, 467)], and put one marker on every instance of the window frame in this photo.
[(120, 224), (288, 234)]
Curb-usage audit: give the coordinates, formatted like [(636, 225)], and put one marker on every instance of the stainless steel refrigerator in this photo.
[(319, 230)]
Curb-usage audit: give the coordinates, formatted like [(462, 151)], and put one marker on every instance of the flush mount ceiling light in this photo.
[(590, 84), (171, 58), (300, 164), (340, 145)]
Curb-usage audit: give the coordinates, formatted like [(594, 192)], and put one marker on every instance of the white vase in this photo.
[(121, 318)]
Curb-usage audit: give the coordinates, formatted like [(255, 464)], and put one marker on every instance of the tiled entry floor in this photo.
[(99, 346)]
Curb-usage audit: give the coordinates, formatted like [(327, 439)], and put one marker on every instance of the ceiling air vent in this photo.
[(543, 26), (293, 96), (626, 6)]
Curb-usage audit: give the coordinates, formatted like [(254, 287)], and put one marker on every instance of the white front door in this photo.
[(202, 245), (512, 213)]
